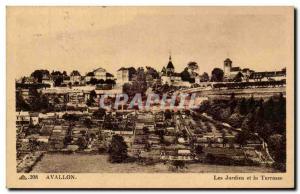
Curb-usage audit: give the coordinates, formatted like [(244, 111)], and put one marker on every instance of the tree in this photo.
[(277, 145), (164, 70), (148, 147), (83, 132), (160, 133), (185, 135), (251, 104), (248, 123), (146, 130), (132, 71), (33, 144), (185, 75), (117, 150), (242, 137), (100, 113), (259, 122), (199, 149), (193, 66), (88, 123), (21, 104), (238, 77), (232, 102), (204, 77), (224, 114), (151, 71), (269, 110), (225, 139), (135, 87), (243, 109), (231, 145), (110, 82), (75, 73), (38, 101), (56, 73), (70, 117), (140, 74), (101, 81), (178, 164), (235, 120), (67, 140), (56, 100), (281, 114), (91, 99), (210, 142), (39, 74), (204, 106), (23, 80), (82, 143), (93, 81), (217, 75), (168, 114), (93, 136), (57, 77)]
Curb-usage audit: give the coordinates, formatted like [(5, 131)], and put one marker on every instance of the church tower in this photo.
[(227, 66), (170, 67)]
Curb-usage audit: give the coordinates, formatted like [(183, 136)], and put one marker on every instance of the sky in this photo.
[(86, 38)]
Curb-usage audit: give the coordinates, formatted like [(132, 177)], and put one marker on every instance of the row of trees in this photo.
[(189, 73), (57, 76), (239, 85), (95, 81)]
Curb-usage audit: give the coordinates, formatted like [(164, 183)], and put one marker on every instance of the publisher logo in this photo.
[(23, 177)]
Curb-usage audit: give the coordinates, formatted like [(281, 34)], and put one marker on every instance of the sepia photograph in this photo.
[(165, 92)]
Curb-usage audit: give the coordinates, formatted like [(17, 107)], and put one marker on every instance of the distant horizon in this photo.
[(158, 70)]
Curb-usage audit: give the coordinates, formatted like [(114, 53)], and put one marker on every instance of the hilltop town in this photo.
[(239, 119)]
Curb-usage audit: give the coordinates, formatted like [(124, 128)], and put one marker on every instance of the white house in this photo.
[(34, 118), (100, 73), (123, 76), (75, 76)]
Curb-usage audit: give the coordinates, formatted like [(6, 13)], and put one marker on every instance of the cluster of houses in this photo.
[(151, 136), (74, 90), (102, 79), (237, 74)]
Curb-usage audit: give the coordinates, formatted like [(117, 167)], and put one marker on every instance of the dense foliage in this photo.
[(117, 150), (267, 118), (37, 102), (217, 75), (40, 74)]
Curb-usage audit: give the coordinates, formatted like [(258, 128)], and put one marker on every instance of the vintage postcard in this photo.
[(150, 97)]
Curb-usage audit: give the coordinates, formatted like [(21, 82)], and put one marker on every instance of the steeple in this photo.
[(170, 66)]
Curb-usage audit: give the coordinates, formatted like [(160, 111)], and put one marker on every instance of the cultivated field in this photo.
[(81, 163)]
